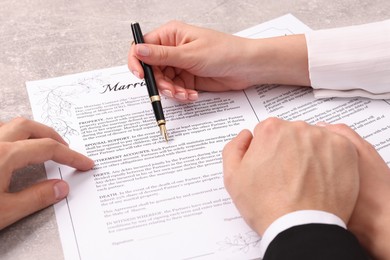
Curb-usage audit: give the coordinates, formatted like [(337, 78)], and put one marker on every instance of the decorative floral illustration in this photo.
[(240, 242), (57, 103)]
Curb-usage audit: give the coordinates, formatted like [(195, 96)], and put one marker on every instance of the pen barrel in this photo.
[(158, 112), (137, 33), (153, 93), (150, 80)]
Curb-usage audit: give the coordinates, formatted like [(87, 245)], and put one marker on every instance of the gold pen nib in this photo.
[(163, 131)]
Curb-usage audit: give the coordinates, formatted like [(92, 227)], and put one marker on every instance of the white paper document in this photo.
[(148, 199)]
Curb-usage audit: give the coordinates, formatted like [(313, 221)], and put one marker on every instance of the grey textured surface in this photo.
[(48, 38)]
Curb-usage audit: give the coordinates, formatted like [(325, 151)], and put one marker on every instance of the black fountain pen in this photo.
[(151, 84)]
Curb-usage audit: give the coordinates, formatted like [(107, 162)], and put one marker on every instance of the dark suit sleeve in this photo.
[(315, 242)]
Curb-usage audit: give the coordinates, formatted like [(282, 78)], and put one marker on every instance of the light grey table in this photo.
[(48, 38)]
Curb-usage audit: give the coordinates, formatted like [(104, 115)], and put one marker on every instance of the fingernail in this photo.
[(60, 190), (322, 124), (92, 163), (135, 73), (193, 96), (167, 93), (88, 164), (181, 96), (142, 50)]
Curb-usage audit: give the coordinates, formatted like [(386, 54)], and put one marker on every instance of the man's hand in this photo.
[(290, 166), (24, 142), (370, 221)]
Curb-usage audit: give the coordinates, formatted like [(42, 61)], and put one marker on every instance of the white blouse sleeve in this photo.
[(350, 61)]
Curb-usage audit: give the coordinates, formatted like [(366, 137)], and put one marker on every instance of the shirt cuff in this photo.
[(328, 93), (351, 61), (297, 218)]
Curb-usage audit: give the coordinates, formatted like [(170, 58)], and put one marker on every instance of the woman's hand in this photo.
[(187, 58)]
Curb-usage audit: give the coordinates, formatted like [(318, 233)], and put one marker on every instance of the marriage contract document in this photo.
[(148, 199)]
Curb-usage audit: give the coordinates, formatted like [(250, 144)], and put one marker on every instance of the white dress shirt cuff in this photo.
[(297, 218)]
